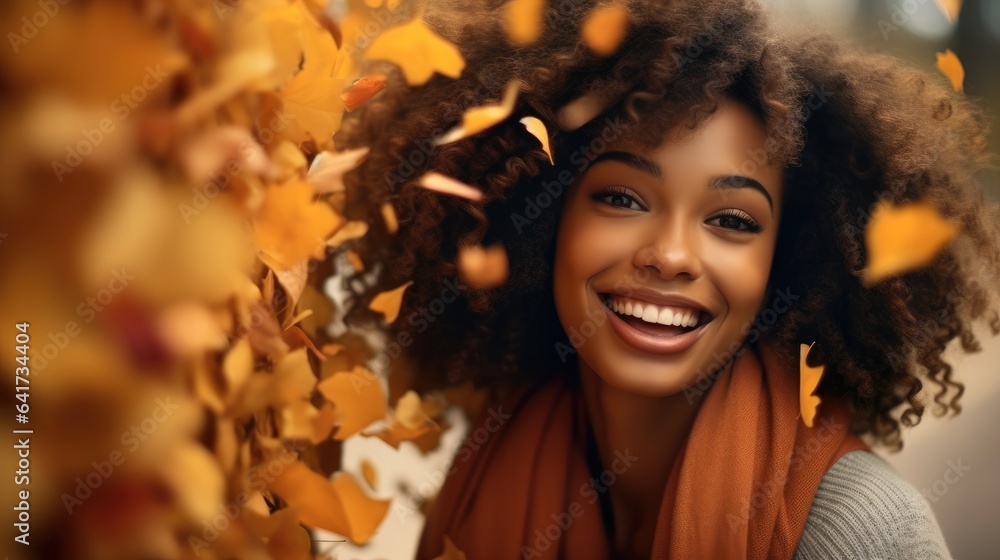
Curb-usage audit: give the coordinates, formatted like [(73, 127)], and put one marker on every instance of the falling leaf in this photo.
[(949, 65), (903, 238), (293, 378), (479, 119), (364, 513), (368, 471), (950, 8), (326, 174), (189, 328), (451, 552), (291, 226), (238, 366), (444, 184), (351, 230), (355, 260), (524, 20), (195, 478), (809, 378), (536, 127), (418, 51), (293, 280), (409, 411), (362, 90), (605, 28), (484, 268), (359, 399), (389, 217), (579, 112), (411, 421), (388, 302)]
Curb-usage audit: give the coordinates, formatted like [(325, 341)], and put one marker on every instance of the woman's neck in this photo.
[(638, 438)]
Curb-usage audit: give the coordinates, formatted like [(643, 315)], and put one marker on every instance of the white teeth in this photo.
[(650, 313), (666, 317)]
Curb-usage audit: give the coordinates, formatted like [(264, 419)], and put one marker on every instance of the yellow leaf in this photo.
[(605, 28), (351, 230), (524, 20), (950, 8), (290, 226), (293, 280), (364, 513), (359, 399), (949, 65), (479, 119), (809, 378), (537, 129), (409, 410), (368, 471), (418, 51), (444, 184), (238, 366), (484, 268), (903, 238), (196, 479), (388, 302), (189, 328), (451, 552), (389, 217)]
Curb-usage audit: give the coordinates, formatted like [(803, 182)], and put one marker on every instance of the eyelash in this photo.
[(606, 193)]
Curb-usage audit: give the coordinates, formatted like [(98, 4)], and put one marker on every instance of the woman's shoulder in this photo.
[(864, 509)]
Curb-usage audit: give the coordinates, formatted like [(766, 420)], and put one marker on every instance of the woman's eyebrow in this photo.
[(643, 164), (739, 182)]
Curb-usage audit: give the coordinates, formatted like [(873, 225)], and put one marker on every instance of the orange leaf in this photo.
[(362, 90), (444, 184), (368, 471), (364, 513), (605, 28), (809, 377), (949, 65), (351, 230), (326, 174), (359, 399), (388, 302), (950, 8), (537, 129), (903, 238), (483, 268), (524, 20), (479, 119), (389, 217), (418, 51), (451, 552)]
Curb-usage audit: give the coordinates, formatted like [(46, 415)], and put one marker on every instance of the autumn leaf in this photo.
[(362, 90), (524, 20), (605, 28), (359, 399), (411, 421), (579, 112), (903, 238), (368, 472), (418, 51), (326, 174), (949, 65), (484, 268), (364, 513), (950, 8), (291, 226), (443, 184), (389, 217), (478, 119), (809, 378), (351, 230), (536, 127), (388, 302), (451, 552)]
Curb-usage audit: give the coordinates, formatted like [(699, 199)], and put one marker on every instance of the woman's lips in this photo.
[(652, 337)]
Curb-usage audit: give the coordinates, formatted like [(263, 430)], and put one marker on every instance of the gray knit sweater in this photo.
[(864, 510)]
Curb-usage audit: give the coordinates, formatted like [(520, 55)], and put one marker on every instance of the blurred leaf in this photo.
[(359, 399), (418, 51), (524, 20), (809, 380), (949, 65), (478, 119), (388, 303), (903, 238)]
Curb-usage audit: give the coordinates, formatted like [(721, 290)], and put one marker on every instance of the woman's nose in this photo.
[(671, 251)]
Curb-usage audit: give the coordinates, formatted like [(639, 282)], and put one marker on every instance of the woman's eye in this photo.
[(618, 199), (736, 222)]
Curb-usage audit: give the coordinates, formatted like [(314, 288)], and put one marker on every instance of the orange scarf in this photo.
[(741, 487)]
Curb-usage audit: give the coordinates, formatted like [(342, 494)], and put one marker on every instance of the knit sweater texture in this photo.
[(863, 509)]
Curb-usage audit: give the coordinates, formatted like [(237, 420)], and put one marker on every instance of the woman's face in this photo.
[(663, 255)]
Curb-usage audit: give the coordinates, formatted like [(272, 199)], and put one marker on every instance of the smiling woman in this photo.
[(697, 225)]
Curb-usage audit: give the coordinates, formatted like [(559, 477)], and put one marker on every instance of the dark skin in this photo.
[(690, 218)]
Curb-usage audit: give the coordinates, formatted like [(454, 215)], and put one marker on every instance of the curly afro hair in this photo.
[(851, 128)]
